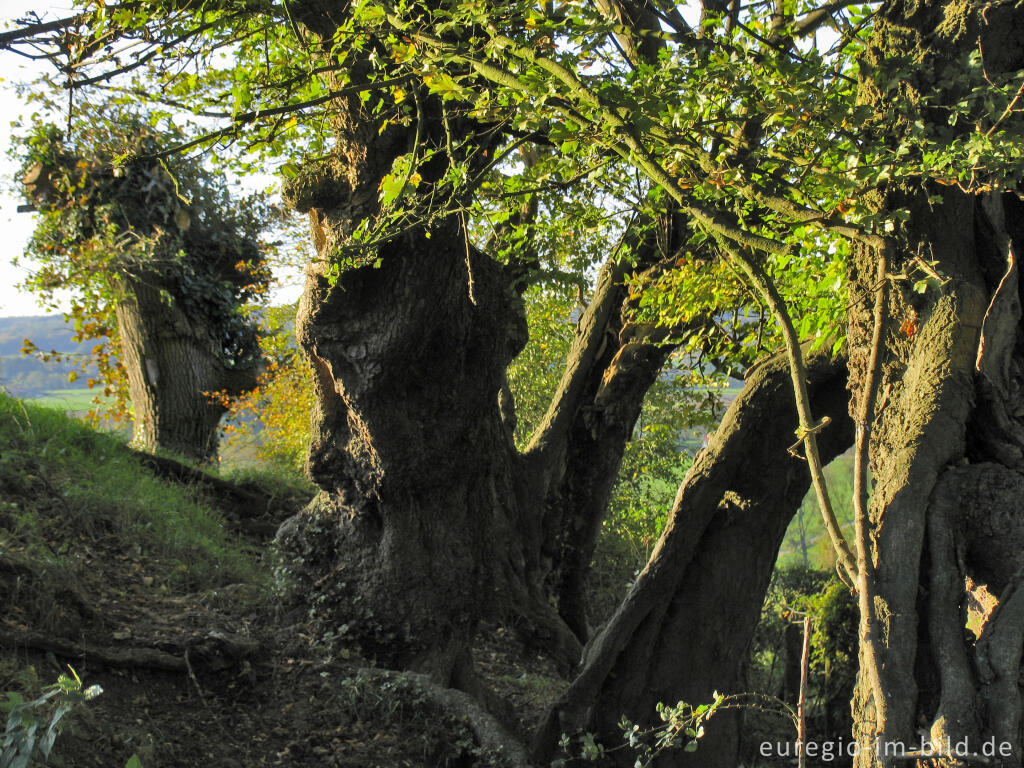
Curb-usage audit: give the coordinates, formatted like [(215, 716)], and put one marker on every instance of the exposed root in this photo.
[(215, 650), (490, 734)]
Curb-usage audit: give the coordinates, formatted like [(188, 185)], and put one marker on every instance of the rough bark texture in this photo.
[(948, 440), (174, 365), (428, 518), (708, 574), (419, 529)]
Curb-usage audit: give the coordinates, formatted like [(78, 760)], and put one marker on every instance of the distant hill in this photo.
[(47, 331), (24, 375)]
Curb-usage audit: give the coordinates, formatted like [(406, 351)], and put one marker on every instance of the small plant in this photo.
[(682, 726), (22, 737)]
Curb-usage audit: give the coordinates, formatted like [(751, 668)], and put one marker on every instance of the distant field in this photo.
[(71, 400)]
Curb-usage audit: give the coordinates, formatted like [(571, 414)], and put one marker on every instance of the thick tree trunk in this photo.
[(948, 438), (417, 531), (425, 522), (685, 629), (175, 371), (577, 449), (432, 519), (428, 518), (947, 466)]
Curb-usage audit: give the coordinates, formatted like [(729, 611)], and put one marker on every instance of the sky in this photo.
[(17, 227)]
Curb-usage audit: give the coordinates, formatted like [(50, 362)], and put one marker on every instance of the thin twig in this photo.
[(801, 704), (808, 427)]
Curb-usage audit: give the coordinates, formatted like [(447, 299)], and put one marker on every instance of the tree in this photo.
[(763, 158), (409, 345), (685, 628), (903, 154), (945, 443), (162, 263)]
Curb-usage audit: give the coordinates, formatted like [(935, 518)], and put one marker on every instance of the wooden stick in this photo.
[(801, 705)]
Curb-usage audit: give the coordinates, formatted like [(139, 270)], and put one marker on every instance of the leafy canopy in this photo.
[(112, 213), (745, 121)]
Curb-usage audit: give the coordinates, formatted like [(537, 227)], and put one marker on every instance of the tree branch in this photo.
[(41, 28), (551, 433), (766, 289), (813, 20), (867, 587)]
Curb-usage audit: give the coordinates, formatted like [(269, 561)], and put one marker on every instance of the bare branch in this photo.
[(39, 28), (156, 50), (813, 20)]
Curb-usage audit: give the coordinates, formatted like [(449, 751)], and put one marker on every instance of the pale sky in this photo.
[(17, 227)]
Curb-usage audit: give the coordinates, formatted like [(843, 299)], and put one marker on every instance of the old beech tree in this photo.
[(162, 261), (894, 152)]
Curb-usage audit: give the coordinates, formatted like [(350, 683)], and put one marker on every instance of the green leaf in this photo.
[(370, 14)]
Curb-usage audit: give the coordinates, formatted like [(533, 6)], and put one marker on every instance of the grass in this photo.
[(66, 489), (277, 482), (69, 400)]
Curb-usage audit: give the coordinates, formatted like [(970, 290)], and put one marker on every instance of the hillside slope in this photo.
[(163, 594)]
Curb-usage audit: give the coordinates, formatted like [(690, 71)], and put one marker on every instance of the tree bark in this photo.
[(175, 367), (685, 628), (420, 528), (432, 519), (428, 519), (948, 436), (417, 530)]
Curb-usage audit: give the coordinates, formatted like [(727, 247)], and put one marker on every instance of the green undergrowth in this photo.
[(285, 486), (73, 500)]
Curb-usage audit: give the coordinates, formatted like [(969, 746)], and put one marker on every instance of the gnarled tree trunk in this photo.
[(418, 512), (948, 444), (428, 518), (685, 628)]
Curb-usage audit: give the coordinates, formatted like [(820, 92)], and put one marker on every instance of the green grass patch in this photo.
[(67, 488), (70, 400), (285, 485)]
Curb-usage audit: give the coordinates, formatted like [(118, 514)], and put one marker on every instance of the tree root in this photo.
[(215, 651), (490, 734), (242, 502)]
